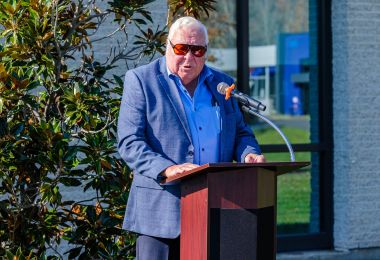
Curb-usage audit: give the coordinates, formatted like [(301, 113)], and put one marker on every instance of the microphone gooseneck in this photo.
[(251, 106)]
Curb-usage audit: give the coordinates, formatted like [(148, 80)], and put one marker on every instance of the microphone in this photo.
[(223, 88)]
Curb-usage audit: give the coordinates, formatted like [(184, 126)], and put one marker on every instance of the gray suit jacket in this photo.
[(154, 134)]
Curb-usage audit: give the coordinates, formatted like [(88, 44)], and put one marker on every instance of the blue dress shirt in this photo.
[(203, 116)]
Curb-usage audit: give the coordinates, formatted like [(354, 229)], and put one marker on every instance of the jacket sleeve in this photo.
[(245, 140), (133, 146)]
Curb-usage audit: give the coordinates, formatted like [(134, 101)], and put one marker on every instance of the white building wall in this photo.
[(159, 12), (356, 120)]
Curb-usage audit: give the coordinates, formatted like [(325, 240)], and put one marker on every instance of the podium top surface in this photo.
[(278, 167)]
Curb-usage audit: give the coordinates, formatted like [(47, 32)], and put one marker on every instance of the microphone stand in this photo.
[(254, 112)]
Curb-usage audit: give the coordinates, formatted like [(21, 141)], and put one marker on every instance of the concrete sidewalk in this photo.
[(357, 254)]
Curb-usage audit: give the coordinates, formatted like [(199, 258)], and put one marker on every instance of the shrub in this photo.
[(58, 109)]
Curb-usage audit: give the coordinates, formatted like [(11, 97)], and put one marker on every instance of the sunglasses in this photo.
[(182, 49)]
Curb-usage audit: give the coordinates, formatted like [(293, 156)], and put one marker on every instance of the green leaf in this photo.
[(140, 21), (67, 181), (78, 172)]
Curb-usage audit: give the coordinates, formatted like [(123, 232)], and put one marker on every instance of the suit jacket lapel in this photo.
[(172, 92)]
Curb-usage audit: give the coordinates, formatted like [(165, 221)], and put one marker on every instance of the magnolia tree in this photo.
[(58, 110)]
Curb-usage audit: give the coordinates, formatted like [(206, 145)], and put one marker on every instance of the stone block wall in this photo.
[(356, 120)]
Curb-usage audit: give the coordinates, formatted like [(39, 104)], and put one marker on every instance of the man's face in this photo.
[(187, 67)]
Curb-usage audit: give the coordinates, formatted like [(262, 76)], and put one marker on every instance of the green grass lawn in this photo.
[(293, 202), (270, 136), (293, 189)]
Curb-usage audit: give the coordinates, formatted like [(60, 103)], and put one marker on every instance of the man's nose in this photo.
[(189, 55)]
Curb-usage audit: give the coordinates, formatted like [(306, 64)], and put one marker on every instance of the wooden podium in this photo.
[(228, 210)]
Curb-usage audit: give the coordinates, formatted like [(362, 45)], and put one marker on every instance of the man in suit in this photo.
[(172, 119)]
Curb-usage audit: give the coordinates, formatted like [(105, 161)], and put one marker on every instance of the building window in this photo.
[(279, 52)]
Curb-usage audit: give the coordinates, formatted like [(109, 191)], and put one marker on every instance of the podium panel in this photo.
[(228, 211), (234, 234)]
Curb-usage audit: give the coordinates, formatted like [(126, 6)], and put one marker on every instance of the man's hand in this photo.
[(176, 169), (254, 158)]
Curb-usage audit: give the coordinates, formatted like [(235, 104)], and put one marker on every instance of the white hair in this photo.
[(187, 21)]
